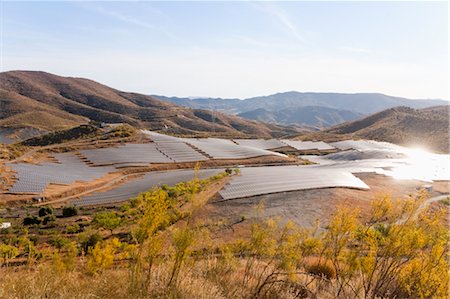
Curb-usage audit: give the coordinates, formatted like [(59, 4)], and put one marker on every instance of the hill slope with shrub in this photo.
[(428, 127), (79, 100)]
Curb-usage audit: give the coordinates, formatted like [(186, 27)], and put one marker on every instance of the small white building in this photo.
[(5, 225)]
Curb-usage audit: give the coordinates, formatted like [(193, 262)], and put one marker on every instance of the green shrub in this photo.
[(47, 219), (69, 211), (73, 229), (59, 242), (89, 241), (31, 220), (44, 211)]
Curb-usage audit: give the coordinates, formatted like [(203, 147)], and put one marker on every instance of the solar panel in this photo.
[(307, 145), (265, 180), (128, 153), (220, 150), (180, 152), (34, 178), (350, 155), (133, 188), (365, 145), (261, 143), (157, 137)]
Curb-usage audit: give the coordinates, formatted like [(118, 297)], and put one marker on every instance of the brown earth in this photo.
[(308, 207)]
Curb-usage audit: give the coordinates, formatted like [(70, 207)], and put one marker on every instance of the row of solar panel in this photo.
[(133, 188), (239, 148), (264, 180), (32, 178)]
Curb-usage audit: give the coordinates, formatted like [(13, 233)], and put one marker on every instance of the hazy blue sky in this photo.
[(235, 49)]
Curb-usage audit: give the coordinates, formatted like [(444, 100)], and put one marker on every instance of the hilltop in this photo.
[(402, 125), (48, 102)]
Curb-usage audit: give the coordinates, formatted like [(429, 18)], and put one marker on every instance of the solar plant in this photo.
[(265, 180), (266, 144), (133, 188), (34, 178), (308, 145), (128, 153), (217, 149)]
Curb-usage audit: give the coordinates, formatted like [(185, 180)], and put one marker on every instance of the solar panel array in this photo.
[(365, 145), (261, 143), (128, 153), (157, 137), (33, 178), (180, 152), (133, 188), (350, 155), (217, 149), (265, 180), (308, 145)]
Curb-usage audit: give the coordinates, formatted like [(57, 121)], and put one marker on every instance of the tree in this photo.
[(69, 211), (107, 220), (31, 220), (44, 211)]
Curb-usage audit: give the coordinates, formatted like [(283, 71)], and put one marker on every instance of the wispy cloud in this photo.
[(131, 20), (283, 18)]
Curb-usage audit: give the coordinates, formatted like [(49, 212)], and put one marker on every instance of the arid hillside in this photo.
[(46, 101), (427, 127)]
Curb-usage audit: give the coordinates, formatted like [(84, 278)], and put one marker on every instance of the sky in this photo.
[(234, 49)]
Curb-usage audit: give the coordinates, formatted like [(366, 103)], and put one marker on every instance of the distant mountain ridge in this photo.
[(317, 116), (276, 108)]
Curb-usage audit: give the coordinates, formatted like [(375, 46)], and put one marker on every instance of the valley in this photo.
[(99, 172)]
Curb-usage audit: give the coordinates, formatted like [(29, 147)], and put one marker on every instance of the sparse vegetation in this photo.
[(82, 131), (164, 251)]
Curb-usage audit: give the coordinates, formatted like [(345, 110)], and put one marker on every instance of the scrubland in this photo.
[(156, 246)]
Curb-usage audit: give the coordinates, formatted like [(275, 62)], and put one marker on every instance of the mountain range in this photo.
[(304, 108), (33, 103), (46, 102)]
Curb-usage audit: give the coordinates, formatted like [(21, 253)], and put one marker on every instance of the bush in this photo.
[(47, 219), (59, 242), (44, 211), (73, 229), (69, 211), (322, 269), (31, 220), (89, 241)]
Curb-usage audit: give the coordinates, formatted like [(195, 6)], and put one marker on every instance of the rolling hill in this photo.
[(277, 107), (47, 102), (427, 127)]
